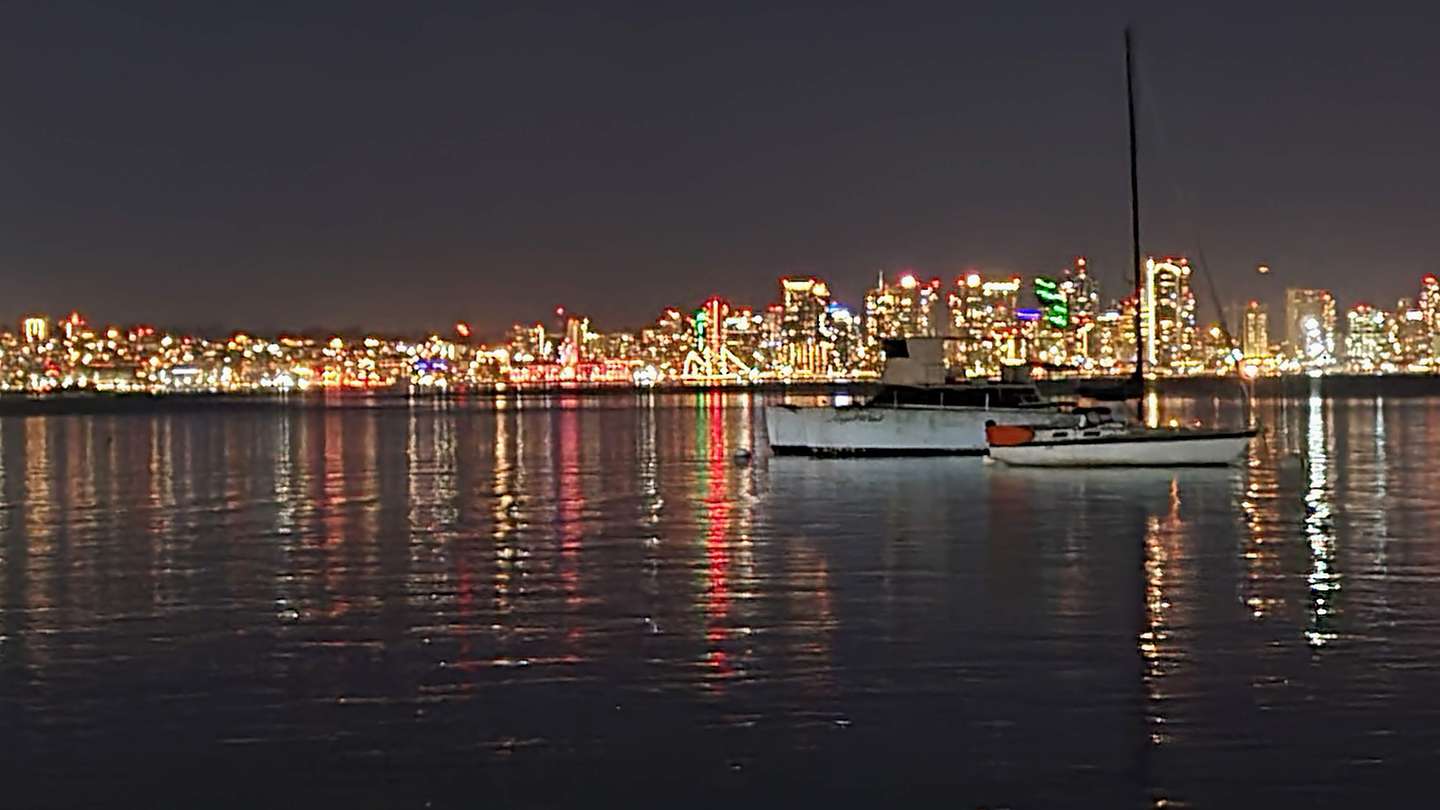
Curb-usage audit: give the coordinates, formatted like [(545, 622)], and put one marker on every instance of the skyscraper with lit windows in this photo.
[(1310, 325), (1429, 306), (908, 308), (802, 350), (36, 329), (1168, 313), (983, 322), (1256, 336), (1369, 338)]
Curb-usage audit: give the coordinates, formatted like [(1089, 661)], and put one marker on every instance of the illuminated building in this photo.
[(36, 329), (711, 358), (1310, 325), (1369, 338), (73, 326), (1112, 341), (803, 351), (745, 335), (984, 324), (1168, 313), (1429, 306), (1082, 292), (577, 338), (907, 308), (1255, 339), (616, 346), (842, 330), (1414, 339), (665, 343), (530, 344)]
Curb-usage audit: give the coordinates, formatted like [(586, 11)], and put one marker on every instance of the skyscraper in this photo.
[(37, 329), (803, 300), (1429, 306), (1082, 292), (1368, 338), (1256, 337), (907, 308), (982, 317), (1310, 325), (1168, 311)]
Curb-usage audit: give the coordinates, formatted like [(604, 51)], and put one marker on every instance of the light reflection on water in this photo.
[(564, 599)]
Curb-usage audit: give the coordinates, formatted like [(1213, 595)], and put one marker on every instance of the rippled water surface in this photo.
[(589, 601)]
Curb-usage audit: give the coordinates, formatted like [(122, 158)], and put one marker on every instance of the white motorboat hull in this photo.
[(894, 431), (1142, 449)]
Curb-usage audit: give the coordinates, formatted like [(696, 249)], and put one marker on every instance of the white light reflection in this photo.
[(1324, 581), (1158, 531), (1259, 503)]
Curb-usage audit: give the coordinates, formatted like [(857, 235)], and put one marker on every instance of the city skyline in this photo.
[(1060, 325), (375, 162)]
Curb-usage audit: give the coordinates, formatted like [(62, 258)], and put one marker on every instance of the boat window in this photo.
[(1091, 433), (957, 396), (1060, 434)]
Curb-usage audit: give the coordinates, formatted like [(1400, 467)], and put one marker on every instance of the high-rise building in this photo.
[(1429, 306), (36, 328), (842, 331), (530, 344), (1082, 292), (1112, 342), (1310, 325), (803, 301), (907, 308), (983, 322), (1168, 312), (1368, 339), (665, 343), (745, 336), (1412, 335), (73, 326), (1256, 337), (575, 345)]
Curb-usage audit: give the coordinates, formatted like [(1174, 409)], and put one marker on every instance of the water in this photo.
[(589, 601)]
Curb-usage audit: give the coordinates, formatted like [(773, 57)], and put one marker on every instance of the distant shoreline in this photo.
[(94, 402)]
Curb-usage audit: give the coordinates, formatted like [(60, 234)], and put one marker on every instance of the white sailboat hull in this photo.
[(1145, 449), (871, 430)]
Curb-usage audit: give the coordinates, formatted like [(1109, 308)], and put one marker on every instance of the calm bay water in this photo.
[(587, 600)]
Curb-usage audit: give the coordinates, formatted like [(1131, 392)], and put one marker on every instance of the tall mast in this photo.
[(1135, 228)]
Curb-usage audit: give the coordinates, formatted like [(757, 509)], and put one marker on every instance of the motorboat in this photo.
[(917, 410)]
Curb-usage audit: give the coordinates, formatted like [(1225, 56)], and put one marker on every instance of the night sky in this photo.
[(398, 166)]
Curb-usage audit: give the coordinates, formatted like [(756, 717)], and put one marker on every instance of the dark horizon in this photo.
[(341, 165)]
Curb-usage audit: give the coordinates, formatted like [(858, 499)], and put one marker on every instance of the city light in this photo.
[(1056, 323)]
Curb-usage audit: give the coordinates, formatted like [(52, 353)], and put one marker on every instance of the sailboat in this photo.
[(1095, 440)]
